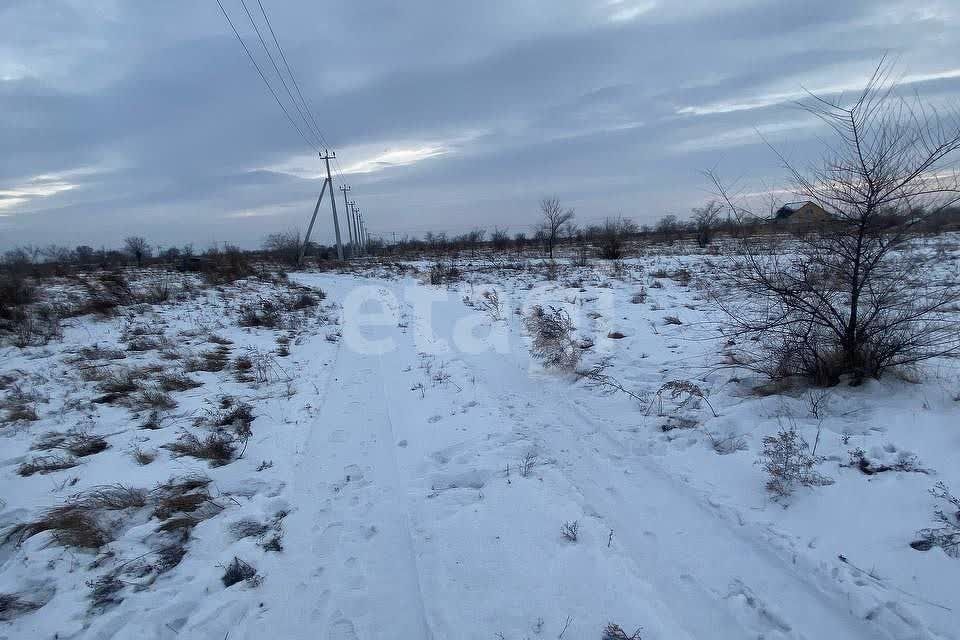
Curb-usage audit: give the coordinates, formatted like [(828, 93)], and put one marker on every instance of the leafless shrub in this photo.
[(142, 457), (490, 304), (552, 333), (217, 447), (36, 326), (15, 291), (597, 377), (946, 534), (851, 300), (706, 220), (239, 571), (46, 464), (615, 632), (265, 313), (787, 459), (639, 297), (441, 273), (570, 531), (668, 320), (527, 463), (552, 270), (614, 234), (105, 592), (685, 391), (157, 291), (619, 270)]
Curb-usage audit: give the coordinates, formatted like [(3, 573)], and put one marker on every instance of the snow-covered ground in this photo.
[(411, 468)]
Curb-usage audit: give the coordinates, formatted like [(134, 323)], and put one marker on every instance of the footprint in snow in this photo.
[(342, 629)]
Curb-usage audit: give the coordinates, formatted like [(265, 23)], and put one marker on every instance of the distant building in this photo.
[(801, 213)]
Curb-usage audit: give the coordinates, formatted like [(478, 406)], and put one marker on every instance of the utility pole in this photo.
[(350, 228), (359, 222), (333, 203), (351, 212), (327, 183)]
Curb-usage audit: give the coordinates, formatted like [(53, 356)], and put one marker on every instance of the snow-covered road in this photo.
[(412, 527), (414, 466)]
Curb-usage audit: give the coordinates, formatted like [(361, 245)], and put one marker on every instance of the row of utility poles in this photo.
[(356, 228)]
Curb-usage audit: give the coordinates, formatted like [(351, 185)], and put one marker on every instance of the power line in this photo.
[(276, 68), (262, 76), (337, 168), (293, 78)]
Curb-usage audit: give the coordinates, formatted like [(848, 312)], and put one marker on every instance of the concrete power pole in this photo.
[(351, 229), (359, 215), (353, 220), (333, 204), (356, 221), (313, 219), (363, 230), (327, 184)]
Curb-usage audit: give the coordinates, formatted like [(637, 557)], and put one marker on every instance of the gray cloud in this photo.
[(147, 117)]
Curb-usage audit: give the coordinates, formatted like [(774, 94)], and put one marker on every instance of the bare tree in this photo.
[(137, 247), (520, 241), (668, 226), (706, 219), (554, 218), (499, 238), (285, 245), (474, 238), (853, 299), (613, 234)]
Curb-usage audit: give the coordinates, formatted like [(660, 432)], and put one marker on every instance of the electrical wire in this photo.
[(264, 77)]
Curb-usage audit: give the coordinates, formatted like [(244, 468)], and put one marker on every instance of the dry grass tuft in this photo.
[(45, 464), (13, 605), (211, 361), (142, 457), (177, 382), (239, 571), (69, 525), (77, 443), (154, 399), (217, 447)]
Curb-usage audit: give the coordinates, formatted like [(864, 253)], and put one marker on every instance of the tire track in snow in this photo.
[(720, 581), (349, 571), (695, 559)]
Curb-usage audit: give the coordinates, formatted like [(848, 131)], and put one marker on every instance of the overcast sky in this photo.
[(127, 117)]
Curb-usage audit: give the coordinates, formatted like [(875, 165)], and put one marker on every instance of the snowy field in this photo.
[(363, 454)]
